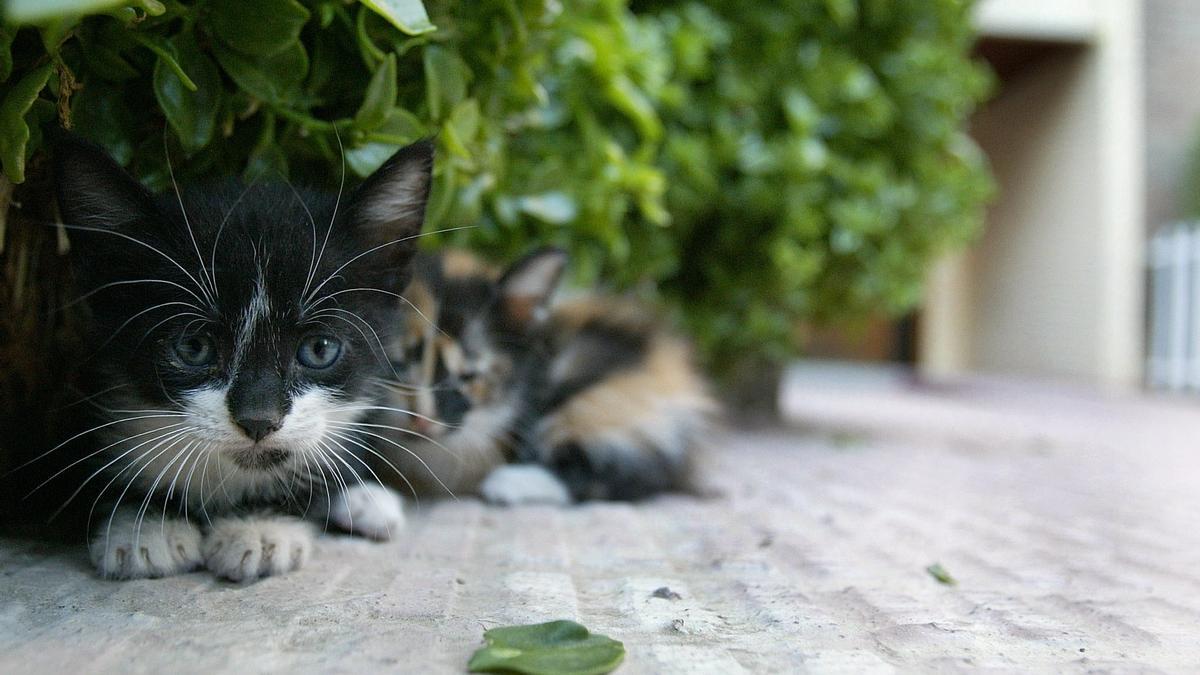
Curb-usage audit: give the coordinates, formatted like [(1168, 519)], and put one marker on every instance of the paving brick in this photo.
[(1070, 522)]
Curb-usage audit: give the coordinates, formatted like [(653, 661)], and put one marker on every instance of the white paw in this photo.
[(244, 549), (523, 484), (157, 548), (369, 510)]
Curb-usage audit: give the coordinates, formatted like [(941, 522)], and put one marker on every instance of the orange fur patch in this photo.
[(458, 264), (650, 397)]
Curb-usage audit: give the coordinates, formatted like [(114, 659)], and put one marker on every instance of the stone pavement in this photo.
[(1071, 522)]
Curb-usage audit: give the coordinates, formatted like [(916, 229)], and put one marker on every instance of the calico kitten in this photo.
[(520, 400), (235, 331)]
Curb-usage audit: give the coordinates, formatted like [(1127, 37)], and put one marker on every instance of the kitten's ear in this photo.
[(526, 288), (93, 190), (388, 208)]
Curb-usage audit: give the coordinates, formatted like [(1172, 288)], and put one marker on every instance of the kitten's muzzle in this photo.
[(258, 402), (257, 429), (263, 459)]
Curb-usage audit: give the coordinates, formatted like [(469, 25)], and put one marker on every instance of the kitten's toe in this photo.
[(513, 484), (133, 548), (244, 549), (369, 510)]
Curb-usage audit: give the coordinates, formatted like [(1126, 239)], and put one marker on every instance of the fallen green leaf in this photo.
[(938, 572), (554, 648)]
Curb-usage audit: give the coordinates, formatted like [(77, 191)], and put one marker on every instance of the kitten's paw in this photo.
[(523, 484), (157, 548), (244, 549), (369, 510)]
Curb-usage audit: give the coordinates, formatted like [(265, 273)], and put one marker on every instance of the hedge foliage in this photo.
[(754, 163)]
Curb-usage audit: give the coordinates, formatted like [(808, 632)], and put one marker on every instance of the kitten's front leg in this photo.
[(368, 510), (246, 548), (128, 547)]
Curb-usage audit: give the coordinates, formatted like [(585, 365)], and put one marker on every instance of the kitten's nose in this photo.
[(258, 429)]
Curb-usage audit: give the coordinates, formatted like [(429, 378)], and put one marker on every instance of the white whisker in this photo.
[(383, 357), (186, 221), (431, 420), (376, 453), (145, 508), (128, 282), (373, 249), (128, 485), (370, 493), (163, 429), (84, 228), (316, 261), (84, 433), (221, 228), (426, 319), (414, 455)]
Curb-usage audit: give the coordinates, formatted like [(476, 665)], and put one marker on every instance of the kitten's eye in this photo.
[(319, 351), (196, 351)]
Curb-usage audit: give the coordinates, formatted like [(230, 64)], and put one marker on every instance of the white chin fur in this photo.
[(198, 463), (514, 484), (369, 510)]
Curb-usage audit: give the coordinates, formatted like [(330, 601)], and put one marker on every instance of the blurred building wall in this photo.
[(1172, 102), (1054, 287)]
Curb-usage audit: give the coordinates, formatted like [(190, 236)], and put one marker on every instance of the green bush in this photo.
[(756, 164)]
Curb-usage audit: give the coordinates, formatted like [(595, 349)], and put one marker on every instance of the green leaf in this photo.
[(259, 28), (275, 80), (14, 132), (56, 31), (40, 114), (843, 12), (192, 113), (363, 160), (7, 34), (407, 15), (380, 98), (101, 113), (107, 62), (166, 53), (938, 572), (153, 7), (554, 648), (465, 119), (267, 159), (40, 11), (399, 129), (445, 80), (556, 208)]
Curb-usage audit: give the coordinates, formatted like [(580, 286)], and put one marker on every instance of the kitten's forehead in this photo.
[(268, 249)]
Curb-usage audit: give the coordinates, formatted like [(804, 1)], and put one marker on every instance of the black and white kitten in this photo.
[(235, 331)]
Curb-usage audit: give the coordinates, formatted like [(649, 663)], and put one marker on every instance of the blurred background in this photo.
[(943, 188)]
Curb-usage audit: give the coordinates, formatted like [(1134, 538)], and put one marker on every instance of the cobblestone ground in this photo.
[(1070, 522)]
